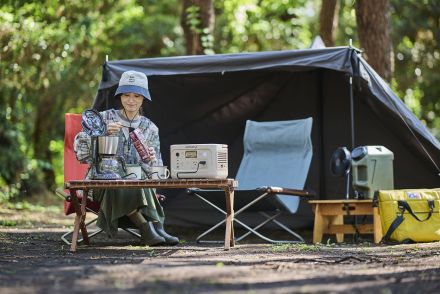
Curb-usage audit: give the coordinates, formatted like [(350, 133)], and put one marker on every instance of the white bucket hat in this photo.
[(133, 82)]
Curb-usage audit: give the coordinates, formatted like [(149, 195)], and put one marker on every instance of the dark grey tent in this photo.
[(207, 99)]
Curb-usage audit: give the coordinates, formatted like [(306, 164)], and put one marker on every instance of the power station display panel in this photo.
[(191, 154)]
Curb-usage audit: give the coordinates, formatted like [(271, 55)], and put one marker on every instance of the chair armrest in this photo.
[(271, 190), (290, 192)]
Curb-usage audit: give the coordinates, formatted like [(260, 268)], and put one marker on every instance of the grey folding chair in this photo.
[(271, 176)]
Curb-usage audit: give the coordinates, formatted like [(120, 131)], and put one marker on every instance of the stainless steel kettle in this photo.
[(108, 145)]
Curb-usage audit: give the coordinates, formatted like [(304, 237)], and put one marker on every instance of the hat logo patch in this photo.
[(131, 79)]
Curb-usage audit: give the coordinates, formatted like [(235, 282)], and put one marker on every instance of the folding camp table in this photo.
[(227, 185)]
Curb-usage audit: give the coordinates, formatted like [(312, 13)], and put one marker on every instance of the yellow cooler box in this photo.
[(411, 214)]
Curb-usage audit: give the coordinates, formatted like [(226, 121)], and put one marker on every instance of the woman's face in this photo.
[(132, 102)]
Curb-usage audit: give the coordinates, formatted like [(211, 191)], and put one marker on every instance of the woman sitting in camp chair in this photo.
[(121, 207)]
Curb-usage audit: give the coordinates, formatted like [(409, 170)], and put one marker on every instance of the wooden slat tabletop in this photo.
[(168, 183)]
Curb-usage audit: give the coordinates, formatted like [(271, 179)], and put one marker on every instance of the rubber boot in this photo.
[(169, 240), (149, 236)]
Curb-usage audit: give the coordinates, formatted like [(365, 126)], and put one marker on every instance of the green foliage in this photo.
[(26, 206), (56, 147), (193, 19), (37, 63), (347, 24), (142, 30), (416, 37), (195, 24), (251, 25), (8, 223), (12, 156), (295, 247), (50, 59)]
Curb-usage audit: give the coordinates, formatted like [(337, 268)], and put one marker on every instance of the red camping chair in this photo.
[(73, 170)]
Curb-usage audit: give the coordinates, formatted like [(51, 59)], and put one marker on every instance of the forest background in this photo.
[(51, 53)]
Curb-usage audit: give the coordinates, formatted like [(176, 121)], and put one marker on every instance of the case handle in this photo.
[(403, 205)]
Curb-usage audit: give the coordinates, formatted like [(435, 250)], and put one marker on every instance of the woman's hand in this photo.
[(152, 154), (113, 128)]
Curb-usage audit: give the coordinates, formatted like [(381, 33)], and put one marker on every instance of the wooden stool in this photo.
[(329, 218)]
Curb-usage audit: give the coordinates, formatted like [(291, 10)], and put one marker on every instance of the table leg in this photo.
[(229, 232), (319, 225), (338, 220), (377, 226), (79, 219), (82, 224), (232, 241), (77, 208)]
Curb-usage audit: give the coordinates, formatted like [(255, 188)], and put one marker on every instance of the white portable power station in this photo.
[(199, 161)]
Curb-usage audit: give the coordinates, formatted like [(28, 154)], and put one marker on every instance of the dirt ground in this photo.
[(34, 260)]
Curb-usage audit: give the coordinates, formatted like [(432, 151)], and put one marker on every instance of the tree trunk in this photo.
[(328, 21), (373, 22), (45, 124), (193, 36)]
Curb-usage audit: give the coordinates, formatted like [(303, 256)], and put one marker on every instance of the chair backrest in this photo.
[(277, 153), (73, 170)]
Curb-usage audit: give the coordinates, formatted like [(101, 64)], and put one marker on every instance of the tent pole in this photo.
[(351, 124), (320, 111), (106, 98), (352, 113), (352, 132), (351, 101)]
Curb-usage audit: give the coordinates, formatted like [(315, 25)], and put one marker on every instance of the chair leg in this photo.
[(66, 235), (272, 218), (281, 225), (261, 235), (210, 204), (254, 231), (199, 237), (250, 230), (258, 226)]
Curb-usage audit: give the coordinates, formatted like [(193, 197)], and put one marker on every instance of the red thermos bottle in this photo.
[(137, 137)]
